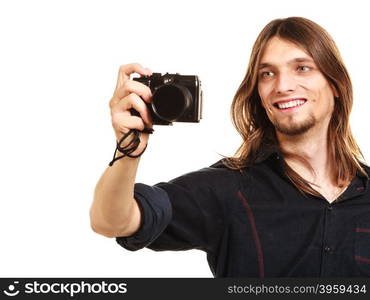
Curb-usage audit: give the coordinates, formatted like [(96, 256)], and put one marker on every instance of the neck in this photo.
[(312, 146)]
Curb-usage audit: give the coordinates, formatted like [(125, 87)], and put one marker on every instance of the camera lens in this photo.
[(171, 101)]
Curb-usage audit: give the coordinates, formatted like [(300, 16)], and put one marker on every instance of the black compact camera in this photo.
[(176, 98)]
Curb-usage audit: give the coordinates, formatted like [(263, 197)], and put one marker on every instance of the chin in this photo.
[(294, 129)]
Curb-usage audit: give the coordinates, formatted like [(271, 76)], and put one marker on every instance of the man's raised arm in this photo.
[(114, 211)]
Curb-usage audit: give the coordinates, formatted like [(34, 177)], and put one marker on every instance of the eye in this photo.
[(303, 68), (267, 74)]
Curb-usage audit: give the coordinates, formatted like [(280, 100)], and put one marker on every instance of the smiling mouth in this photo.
[(290, 104)]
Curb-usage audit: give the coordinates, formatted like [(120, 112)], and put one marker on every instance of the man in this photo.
[(294, 201)]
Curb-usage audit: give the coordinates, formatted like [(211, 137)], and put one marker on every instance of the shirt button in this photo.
[(330, 208), (327, 249)]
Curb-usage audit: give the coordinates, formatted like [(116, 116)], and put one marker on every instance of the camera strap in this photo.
[(131, 146)]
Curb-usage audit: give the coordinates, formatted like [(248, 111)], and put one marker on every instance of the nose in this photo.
[(285, 83)]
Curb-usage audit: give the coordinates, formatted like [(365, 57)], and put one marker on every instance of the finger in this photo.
[(123, 123), (135, 102), (136, 87), (126, 70)]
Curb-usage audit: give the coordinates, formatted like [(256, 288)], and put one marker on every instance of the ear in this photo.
[(335, 91)]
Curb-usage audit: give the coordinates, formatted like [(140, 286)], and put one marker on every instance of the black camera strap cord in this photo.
[(131, 146)]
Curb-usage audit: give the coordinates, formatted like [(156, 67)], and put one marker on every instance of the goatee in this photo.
[(295, 128)]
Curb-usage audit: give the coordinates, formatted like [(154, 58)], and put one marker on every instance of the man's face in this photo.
[(294, 93)]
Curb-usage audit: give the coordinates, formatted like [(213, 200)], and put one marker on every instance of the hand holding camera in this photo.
[(130, 95), (151, 99)]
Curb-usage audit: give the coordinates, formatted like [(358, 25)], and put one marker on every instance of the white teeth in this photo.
[(291, 104)]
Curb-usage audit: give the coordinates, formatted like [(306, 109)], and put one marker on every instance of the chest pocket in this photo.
[(362, 247)]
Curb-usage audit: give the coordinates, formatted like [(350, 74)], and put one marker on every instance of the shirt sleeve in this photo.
[(185, 213), (156, 213)]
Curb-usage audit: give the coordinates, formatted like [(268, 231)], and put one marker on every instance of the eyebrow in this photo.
[(294, 60)]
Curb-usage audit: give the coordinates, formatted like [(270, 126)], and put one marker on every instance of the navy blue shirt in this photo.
[(255, 223)]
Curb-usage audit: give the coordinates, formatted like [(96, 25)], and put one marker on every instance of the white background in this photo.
[(58, 67)]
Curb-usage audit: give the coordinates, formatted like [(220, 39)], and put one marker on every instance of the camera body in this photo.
[(176, 98)]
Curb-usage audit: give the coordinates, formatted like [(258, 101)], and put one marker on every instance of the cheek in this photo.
[(265, 92), (262, 91), (331, 102), (319, 88), (266, 106), (327, 95)]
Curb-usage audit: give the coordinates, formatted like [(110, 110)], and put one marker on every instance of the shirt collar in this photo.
[(267, 151)]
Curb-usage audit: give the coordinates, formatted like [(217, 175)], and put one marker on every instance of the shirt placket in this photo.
[(328, 242)]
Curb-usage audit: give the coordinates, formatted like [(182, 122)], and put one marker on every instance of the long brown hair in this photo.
[(253, 124)]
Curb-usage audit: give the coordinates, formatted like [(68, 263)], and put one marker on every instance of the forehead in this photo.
[(279, 51)]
